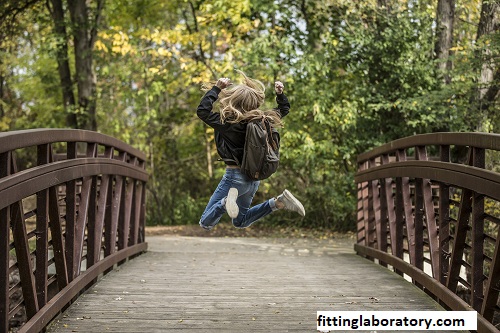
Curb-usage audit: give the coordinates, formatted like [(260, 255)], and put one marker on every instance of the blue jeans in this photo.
[(246, 190)]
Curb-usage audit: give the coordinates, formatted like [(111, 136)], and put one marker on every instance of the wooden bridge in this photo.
[(74, 215)]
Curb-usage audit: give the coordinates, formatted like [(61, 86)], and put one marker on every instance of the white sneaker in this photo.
[(231, 206), (291, 203)]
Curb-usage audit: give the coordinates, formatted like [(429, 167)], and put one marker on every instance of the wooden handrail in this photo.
[(408, 218), (86, 214)]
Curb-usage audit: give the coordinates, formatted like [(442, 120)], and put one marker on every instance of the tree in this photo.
[(489, 76), (444, 37), (63, 64), (85, 23)]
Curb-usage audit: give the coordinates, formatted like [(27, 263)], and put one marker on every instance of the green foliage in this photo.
[(357, 75)]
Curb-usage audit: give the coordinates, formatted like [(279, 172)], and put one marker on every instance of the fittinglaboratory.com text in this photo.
[(396, 320)]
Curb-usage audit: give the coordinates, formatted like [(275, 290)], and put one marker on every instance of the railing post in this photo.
[(374, 212), (477, 232), (388, 213), (70, 216), (362, 210), (42, 227), (444, 221), (419, 216), (142, 218), (4, 250)]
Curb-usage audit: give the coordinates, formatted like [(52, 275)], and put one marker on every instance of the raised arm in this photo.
[(283, 104), (204, 110)]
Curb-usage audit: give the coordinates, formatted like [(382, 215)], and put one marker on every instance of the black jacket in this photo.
[(229, 137)]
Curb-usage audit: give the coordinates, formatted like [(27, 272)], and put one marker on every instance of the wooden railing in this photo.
[(72, 205), (429, 207)]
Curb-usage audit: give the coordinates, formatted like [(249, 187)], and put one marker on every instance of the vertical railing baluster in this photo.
[(92, 151), (366, 208), (430, 217), (382, 220), (142, 217), (134, 228), (407, 209), (83, 214), (108, 215), (57, 239), (477, 261), (23, 256), (493, 286), (444, 221), (70, 216), (116, 214), (419, 218), (460, 236), (42, 228), (361, 230), (124, 227), (399, 210), (375, 225), (4, 249), (94, 241), (395, 230)]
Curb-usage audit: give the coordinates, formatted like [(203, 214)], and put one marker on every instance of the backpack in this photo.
[(261, 153)]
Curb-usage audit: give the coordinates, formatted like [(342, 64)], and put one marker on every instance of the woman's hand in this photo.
[(278, 87), (223, 83)]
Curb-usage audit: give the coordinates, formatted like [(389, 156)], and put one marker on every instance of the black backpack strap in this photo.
[(269, 131)]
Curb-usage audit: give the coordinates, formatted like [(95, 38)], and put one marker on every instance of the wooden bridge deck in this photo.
[(237, 285)]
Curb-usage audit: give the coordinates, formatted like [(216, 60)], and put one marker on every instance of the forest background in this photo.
[(357, 73)]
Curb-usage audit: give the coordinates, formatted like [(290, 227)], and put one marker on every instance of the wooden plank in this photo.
[(278, 287)]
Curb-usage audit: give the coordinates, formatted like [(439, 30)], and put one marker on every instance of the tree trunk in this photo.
[(2, 112), (488, 23), (444, 37), (84, 34), (487, 92), (63, 68)]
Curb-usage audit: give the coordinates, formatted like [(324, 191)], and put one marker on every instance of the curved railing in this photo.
[(429, 206), (72, 205)]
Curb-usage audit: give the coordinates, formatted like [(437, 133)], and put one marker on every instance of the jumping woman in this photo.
[(239, 104)]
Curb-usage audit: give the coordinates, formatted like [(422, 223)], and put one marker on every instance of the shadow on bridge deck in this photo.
[(237, 285)]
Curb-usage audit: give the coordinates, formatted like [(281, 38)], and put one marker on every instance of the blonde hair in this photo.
[(241, 102)]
